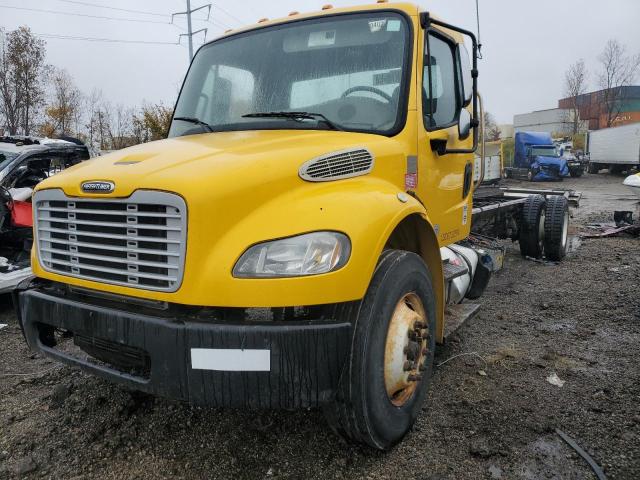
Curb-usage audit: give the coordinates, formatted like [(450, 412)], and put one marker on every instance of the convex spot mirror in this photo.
[(464, 124)]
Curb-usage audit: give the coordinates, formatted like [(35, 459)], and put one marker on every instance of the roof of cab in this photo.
[(410, 9)]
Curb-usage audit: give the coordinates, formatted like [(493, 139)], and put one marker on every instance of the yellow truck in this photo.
[(282, 247)]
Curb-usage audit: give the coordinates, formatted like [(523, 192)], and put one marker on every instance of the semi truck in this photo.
[(536, 159), (297, 238), (616, 149)]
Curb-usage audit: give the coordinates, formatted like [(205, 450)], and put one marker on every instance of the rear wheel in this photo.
[(388, 373), (616, 169), (532, 226), (593, 168), (556, 228)]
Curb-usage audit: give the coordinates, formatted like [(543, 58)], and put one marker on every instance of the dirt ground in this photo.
[(490, 413)]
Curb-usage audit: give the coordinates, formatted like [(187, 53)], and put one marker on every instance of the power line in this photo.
[(107, 40), (83, 15), (215, 23), (86, 4), (242, 22)]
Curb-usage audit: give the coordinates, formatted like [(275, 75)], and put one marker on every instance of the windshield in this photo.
[(6, 157), (347, 68), (545, 151)]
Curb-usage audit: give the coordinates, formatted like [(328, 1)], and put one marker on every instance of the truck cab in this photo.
[(281, 248), (537, 158)]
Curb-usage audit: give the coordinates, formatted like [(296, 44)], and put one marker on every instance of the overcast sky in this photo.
[(527, 45)]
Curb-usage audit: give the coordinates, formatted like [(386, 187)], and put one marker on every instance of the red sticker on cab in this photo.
[(410, 181)]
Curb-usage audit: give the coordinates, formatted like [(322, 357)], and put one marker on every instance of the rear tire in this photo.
[(377, 402), (531, 237), (556, 228), (593, 168), (616, 169)]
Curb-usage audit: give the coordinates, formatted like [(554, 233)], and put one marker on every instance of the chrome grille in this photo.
[(338, 165), (137, 242)]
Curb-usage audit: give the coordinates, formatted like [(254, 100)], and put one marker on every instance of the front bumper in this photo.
[(304, 359)]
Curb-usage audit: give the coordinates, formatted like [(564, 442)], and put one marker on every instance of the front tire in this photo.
[(530, 175), (385, 381)]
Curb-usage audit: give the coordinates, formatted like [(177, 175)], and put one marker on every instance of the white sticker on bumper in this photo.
[(231, 360)]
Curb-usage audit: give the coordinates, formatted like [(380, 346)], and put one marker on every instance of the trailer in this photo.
[(616, 149)]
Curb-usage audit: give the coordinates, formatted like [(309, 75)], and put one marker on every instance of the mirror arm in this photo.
[(425, 22)]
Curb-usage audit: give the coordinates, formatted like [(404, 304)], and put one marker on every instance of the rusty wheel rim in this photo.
[(405, 349)]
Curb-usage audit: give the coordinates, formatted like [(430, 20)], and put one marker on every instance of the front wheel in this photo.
[(389, 368)]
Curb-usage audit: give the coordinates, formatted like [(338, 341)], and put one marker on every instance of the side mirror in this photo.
[(466, 74), (468, 78), (464, 124)]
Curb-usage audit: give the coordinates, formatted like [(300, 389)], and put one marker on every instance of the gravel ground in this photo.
[(491, 415)]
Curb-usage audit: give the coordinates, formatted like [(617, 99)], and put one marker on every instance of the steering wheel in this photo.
[(364, 88)]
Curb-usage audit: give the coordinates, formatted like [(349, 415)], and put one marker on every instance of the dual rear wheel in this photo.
[(544, 227)]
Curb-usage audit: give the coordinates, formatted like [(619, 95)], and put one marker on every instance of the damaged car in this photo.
[(25, 162)]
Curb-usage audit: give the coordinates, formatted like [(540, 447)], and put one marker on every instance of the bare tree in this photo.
[(619, 70), (63, 112), (10, 99), (575, 84), (103, 125), (492, 130), (120, 127), (91, 109), (21, 79)]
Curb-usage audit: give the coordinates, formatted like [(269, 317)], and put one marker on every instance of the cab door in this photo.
[(445, 179)]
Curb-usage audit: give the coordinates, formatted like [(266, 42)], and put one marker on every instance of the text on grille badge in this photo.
[(98, 187)]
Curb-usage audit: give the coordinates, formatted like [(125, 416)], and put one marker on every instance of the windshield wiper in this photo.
[(295, 116), (196, 121)]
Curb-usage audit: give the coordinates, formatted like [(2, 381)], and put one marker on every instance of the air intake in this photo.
[(338, 165)]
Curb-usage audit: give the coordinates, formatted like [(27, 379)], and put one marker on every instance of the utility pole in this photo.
[(190, 33)]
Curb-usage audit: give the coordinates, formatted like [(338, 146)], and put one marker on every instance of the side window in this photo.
[(440, 93)]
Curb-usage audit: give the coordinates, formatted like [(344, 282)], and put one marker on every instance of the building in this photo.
[(506, 131), (592, 107), (553, 120)]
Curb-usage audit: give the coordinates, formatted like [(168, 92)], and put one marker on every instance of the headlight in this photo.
[(308, 254)]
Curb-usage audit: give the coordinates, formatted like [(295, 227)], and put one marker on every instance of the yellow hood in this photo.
[(219, 161)]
